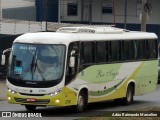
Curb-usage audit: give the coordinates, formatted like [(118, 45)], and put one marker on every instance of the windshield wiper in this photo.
[(32, 68), (32, 63), (40, 73), (36, 67)]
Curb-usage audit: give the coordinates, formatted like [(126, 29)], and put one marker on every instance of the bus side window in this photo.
[(122, 51), (101, 52), (87, 53), (152, 48), (141, 49), (129, 50), (115, 51), (107, 51)]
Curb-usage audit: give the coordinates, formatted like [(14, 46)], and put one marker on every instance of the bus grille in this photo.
[(31, 94), (37, 101)]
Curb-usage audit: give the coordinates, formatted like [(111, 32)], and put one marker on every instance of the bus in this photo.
[(75, 66)]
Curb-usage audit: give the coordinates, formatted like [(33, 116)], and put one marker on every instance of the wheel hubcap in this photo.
[(80, 103), (129, 96)]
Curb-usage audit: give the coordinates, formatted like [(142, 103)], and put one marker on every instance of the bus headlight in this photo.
[(55, 92), (12, 91)]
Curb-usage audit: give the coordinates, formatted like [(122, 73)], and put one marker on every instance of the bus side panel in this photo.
[(70, 96), (146, 78), (110, 81), (107, 81)]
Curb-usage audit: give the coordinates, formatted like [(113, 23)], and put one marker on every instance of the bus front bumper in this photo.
[(46, 100)]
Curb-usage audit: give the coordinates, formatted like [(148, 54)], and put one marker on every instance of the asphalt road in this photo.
[(50, 113)]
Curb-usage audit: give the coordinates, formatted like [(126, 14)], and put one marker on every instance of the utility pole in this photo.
[(90, 11), (45, 12), (125, 15), (82, 9), (59, 11), (144, 16), (114, 17), (0, 10)]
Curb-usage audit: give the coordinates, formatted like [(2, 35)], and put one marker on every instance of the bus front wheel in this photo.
[(129, 95), (81, 102), (30, 107)]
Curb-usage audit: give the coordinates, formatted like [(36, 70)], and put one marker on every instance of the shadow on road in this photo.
[(93, 109)]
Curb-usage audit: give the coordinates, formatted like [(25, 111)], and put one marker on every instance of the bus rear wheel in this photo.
[(30, 107), (129, 95)]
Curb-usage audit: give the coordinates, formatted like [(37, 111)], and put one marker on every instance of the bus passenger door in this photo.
[(85, 77), (71, 73)]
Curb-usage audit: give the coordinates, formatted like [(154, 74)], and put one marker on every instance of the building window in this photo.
[(107, 8), (72, 9)]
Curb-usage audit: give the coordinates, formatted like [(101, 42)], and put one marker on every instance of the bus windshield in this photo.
[(36, 62)]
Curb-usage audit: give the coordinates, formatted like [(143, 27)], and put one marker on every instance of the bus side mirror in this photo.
[(72, 62), (3, 59), (72, 59)]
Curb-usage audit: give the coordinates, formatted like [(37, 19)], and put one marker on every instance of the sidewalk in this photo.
[(3, 90)]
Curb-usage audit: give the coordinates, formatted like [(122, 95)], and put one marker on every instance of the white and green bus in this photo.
[(75, 66)]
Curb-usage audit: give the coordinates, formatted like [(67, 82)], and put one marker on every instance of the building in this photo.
[(86, 11), (122, 13), (103, 11)]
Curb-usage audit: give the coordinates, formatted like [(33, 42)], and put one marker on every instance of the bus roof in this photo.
[(65, 37)]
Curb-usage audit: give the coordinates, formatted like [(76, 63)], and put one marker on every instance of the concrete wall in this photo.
[(17, 3), (21, 13), (19, 9)]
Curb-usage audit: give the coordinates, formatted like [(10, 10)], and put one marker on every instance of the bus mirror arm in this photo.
[(72, 59)]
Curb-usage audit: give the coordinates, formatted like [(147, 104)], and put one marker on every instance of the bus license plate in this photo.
[(31, 99)]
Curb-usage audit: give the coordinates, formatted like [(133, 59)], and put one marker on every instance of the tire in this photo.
[(30, 107), (81, 102), (129, 95)]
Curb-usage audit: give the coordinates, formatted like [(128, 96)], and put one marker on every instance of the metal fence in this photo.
[(13, 27)]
